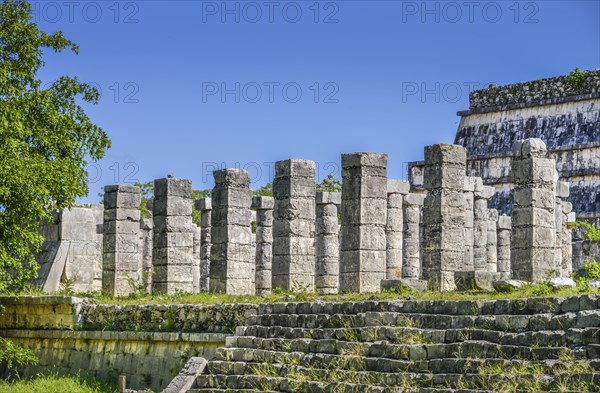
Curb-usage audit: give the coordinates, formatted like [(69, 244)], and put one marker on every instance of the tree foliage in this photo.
[(266, 190), (46, 140), (330, 184)]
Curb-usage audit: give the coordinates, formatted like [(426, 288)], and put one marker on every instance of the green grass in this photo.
[(57, 384), (539, 290)]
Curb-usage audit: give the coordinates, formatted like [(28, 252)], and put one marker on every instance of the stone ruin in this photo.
[(493, 206), (375, 233)]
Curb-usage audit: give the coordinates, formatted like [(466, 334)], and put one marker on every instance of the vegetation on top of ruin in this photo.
[(533, 290), (576, 83)]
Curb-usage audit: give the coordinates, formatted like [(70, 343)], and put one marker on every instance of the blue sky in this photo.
[(188, 86)]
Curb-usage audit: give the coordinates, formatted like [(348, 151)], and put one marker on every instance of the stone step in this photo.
[(569, 337), (382, 365), (503, 322), (447, 307), (297, 380), (418, 359)]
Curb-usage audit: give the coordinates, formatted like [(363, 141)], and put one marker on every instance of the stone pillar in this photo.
[(564, 249), (146, 232), (264, 243), (471, 184), (396, 190), (294, 225), (412, 212), (503, 242), (197, 233), (327, 242), (533, 220), (492, 241), (172, 255), (121, 230), (364, 211), (480, 227), (443, 215), (232, 261), (205, 207)]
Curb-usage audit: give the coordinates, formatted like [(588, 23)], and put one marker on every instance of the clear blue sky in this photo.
[(302, 79)]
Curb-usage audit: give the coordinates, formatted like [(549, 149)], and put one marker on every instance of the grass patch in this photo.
[(288, 296), (57, 384)]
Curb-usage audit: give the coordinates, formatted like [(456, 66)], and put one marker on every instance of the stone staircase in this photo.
[(521, 345)]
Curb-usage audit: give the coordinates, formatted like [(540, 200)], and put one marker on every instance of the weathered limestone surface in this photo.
[(364, 211), (294, 225), (146, 236), (263, 205), (480, 227), (471, 184), (504, 233), (122, 264), (232, 260), (172, 255), (492, 241), (205, 207), (396, 190), (327, 242), (197, 234), (533, 217), (412, 215), (443, 215)]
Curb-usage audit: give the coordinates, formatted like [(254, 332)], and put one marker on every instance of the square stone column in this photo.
[(294, 225), (263, 205), (146, 239), (122, 259), (197, 233), (443, 215), (205, 207), (492, 241), (364, 218), (327, 242), (471, 184), (564, 237), (232, 259), (413, 218), (480, 227), (533, 216), (504, 233), (172, 255), (396, 190)]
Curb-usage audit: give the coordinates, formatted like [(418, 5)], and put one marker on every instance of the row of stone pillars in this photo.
[(441, 239)]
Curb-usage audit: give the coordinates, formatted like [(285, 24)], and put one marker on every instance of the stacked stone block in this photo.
[(232, 260), (294, 225), (480, 227), (471, 184), (327, 245), (396, 191), (263, 205), (564, 236), (492, 241), (146, 235), (197, 233), (503, 244), (443, 215), (533, 217), (121, 252), (412, 236), (205, 207), (172, 255), (364, 211)]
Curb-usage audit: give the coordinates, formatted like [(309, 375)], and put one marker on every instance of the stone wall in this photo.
[(147, 359), (147, 343), (72, 250)]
